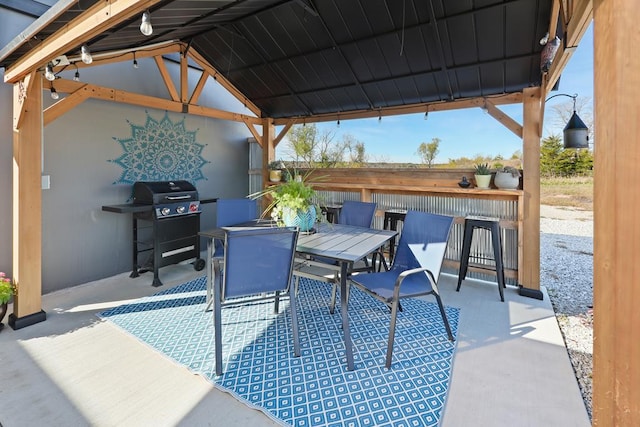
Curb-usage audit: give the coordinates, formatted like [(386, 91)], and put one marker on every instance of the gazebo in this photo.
[(304, 61)]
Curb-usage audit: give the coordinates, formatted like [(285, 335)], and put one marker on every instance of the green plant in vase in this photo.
[(293, 202)]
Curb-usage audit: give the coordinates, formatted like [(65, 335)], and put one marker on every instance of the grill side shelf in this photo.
[(128, 208)]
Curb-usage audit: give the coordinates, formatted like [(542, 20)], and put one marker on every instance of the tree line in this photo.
[(309, 147)]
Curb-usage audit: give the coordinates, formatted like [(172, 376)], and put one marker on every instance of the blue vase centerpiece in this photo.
[(293, 202), (303, 219)]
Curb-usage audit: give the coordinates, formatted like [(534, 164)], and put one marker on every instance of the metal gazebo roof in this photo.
[(301, 58)]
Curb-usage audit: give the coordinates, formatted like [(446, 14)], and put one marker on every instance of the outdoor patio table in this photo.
[(344, 244)]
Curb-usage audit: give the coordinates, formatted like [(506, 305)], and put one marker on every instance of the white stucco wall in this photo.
[(81, 242)]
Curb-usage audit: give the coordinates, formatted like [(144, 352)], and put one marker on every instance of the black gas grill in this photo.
[(175, 223), (166, 222)]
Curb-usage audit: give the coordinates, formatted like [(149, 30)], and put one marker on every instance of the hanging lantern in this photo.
[(576, 133)]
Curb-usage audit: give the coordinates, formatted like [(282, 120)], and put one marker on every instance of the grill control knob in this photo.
[(180, 209), (165, 211)]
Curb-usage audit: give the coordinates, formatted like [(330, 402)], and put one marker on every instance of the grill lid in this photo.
[(156, 192)]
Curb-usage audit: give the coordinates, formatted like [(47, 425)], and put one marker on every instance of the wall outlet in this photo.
[(46, 182)]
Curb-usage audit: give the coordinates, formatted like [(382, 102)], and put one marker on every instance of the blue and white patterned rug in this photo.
[(314, 389)]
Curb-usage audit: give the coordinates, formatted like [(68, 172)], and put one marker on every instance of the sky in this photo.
[(462, 133)]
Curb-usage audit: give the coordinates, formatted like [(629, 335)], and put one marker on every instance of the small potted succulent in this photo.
[(507, 178), (7, 290), (482, 175), (275, 170)]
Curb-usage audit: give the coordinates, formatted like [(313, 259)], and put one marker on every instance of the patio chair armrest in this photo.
[(406, 273)]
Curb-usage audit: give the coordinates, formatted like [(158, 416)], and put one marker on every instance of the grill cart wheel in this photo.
[(199, 264)]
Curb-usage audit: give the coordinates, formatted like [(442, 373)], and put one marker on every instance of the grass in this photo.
[(576, 192)]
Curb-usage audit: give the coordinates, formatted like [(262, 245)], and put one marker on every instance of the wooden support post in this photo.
[(530, 285), (616, 288), (184, 78), (27, 207), (268, 147)]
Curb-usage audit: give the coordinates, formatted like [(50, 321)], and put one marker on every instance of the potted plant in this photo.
[(482, 175), (7, 289), (275, 170), (507, 178), (292, 202)]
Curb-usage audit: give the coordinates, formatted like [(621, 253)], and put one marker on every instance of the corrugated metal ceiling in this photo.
[(307, 57)]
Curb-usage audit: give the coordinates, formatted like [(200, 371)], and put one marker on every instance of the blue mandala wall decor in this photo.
[(160, 151)]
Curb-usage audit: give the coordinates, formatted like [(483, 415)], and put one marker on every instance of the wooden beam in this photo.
[(166, 77), (197, 91), (94, 21), (283, 132), (506, 121), (254, 132), (64, 105), (184, 78), (116, 95), (616, 243), (117, 56), (268, 147), (68, 86), (220, 114), (581, 17), (200, 60), (19, 108), (531, 187), (579, 20), (511, 98), (553, 19), (27, 209)]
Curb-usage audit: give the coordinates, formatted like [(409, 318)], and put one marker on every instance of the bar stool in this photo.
[(487, 223), (332, 212), (391, 219)]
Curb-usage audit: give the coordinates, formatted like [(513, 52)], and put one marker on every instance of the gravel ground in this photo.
[(566, 256)]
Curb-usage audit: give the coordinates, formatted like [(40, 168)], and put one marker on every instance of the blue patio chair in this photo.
[(258, 263), (361, 214), (415, 269), (357, 213), (232, 212)]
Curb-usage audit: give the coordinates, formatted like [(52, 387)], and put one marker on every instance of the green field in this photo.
[(574, 192)]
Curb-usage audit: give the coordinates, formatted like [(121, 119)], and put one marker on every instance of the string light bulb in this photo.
[(426, 115), (338, 124), (54, 93), (544, 39), (135, 61), (76, 77), (85, 54), (145, 26), (48, 72)]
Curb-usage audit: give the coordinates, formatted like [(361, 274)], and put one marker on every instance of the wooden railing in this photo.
[(435, 190)]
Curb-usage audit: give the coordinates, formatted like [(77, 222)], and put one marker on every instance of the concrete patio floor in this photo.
[(511, 367)]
